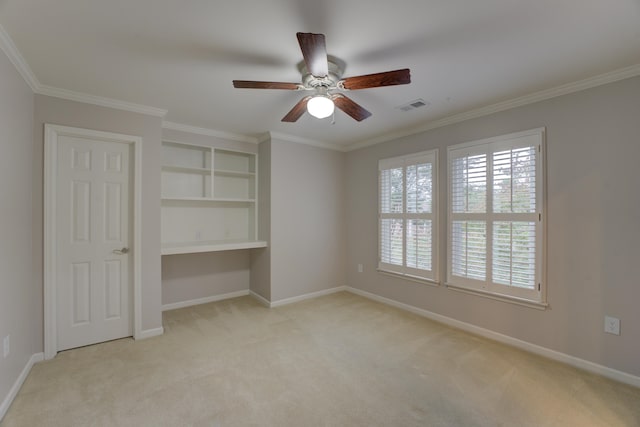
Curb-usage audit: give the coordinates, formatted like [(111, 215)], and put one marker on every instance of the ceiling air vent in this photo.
[(412, 105)]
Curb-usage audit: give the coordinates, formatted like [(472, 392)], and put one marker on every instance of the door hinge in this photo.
[(539, 287), (539, 217)]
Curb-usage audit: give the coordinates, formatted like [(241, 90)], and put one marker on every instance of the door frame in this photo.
[(51, 135)]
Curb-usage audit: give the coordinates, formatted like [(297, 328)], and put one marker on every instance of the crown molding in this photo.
[(209, 132), (264, 137), (303, 141), (18, 61), (566, 89), (100, 101)]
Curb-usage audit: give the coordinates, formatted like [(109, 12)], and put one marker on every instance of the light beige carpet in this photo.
[(339, 360)]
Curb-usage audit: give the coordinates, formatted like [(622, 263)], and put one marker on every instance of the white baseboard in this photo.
[(576, 362), (308, 296), (272, 304), (13, 392), (262, 300), (183, 304), (150, 333)]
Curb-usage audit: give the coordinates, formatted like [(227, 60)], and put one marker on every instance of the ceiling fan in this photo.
[(322, 75)]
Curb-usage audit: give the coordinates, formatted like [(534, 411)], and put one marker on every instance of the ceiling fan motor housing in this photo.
[(336, 69)]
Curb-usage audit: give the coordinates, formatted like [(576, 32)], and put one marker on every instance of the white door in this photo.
[(93, 217)]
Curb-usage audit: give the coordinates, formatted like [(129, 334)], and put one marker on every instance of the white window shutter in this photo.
[(407, 217), (495, 215)]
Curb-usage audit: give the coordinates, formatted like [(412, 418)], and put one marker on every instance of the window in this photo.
[(407, 215), (495, 216)]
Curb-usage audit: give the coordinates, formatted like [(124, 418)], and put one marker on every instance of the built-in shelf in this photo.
[(209, 199), (210, 246), (206, 200), (184, 169), (234, 173)]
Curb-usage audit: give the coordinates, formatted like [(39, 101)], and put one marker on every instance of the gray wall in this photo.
[(195, 276), (76, 114), (593, 207), (20, 289), (261, 258), (307, 219)]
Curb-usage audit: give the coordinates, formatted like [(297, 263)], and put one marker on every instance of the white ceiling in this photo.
[(181, 55)]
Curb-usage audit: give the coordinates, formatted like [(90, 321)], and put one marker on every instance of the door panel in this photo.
[(81, 211), (94, 283), (112, 212), (112, 287), (81, 293)]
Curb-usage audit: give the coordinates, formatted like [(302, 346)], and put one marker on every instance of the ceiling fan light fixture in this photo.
[(320, 106)]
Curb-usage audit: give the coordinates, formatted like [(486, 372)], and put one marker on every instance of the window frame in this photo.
[(531, 297), (410, 273)]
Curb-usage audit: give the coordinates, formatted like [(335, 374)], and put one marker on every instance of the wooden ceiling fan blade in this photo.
[(388, 78), (350, 107), (250, 84), (314, 52), (297, 111)]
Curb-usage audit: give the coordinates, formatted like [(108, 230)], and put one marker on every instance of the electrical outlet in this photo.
[(612, 325), (6, 345), (360, 268)]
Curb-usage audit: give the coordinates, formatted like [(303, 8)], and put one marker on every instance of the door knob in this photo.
[(121, 251)]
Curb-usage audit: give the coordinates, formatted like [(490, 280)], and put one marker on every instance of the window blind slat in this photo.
[(469, 183), (391, 241), (514, 177), (419, 188), (419, 244), (514, 247), (391, 190), (469, 249)]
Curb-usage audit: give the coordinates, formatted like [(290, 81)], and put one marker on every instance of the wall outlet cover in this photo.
[(612, 325), (6, 346)]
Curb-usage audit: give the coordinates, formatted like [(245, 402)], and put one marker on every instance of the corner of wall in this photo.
[(260, 281)]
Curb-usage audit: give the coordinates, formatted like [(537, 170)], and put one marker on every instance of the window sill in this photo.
[(499, 297), (409, 277)]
